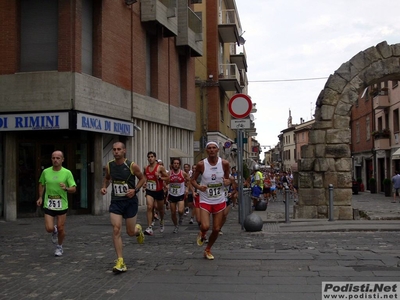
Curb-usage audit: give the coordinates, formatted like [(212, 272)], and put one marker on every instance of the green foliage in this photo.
[(387, 181), (372, 180)]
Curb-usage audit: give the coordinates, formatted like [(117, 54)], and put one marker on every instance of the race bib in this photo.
[(54, 202), (120, 188), (174, 189), (151, 185), (214, 190)]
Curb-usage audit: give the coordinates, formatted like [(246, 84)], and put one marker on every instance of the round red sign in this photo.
[(240, 106)]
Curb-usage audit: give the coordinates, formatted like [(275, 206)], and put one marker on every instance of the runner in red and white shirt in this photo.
[(155, 176), (215, 177), (178, 183)]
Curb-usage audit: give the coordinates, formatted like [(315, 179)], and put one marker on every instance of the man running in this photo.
[(55, 183), (155, 176), (215, 176), (178, 183), (124, 202)]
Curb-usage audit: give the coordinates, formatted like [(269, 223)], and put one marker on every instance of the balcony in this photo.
[(228, 26), (382, 144), (240, 59), (229, 77), (161, 12), (381, 101), (243, 79), (190, 29)]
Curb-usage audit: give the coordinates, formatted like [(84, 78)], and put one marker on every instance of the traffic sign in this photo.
[(227, 144), (240, 106), (240, 124)]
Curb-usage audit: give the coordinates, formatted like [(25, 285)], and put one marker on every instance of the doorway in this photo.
[(35, 156)]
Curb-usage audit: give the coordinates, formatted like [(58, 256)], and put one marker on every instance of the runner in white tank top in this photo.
[(215, 176)]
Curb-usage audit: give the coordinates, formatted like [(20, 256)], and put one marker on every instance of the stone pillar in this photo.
[(10, 178), (98, 206)]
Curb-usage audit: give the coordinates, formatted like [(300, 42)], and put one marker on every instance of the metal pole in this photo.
[(287, 191), (331, 202), (242, 206)]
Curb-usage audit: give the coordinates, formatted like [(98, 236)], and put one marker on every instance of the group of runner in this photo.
[(208, 188)]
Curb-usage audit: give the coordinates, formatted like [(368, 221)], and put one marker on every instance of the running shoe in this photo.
[(139, 235), (200, 239), (176, 229), (152, 223), (161, 225), (186, 211), (208, 255), (119, 265), (220, 232), (191, 221), (180, 220), (156, 217), (54, 235), (148, 231), (59, 251)]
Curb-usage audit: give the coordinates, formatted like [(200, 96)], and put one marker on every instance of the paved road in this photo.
[(280, 264)]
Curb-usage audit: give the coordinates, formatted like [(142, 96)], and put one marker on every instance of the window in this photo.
[(396, 120), (380, 124), (368, 128), (357, 132), (87, 37), (39, 35)]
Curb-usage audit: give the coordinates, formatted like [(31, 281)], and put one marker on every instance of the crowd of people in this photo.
[(268, 184), (205, 191)]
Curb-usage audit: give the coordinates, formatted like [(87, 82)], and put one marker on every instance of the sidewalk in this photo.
[(377, 213)]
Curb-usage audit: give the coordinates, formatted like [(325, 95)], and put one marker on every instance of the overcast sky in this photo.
[(302, 39)]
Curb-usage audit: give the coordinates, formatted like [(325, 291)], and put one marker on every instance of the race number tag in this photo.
[(54, 202), (120, 188), (174, 189), (151, 185), (214, 190)]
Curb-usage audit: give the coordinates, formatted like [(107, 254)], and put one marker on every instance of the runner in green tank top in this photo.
[(54, 184)]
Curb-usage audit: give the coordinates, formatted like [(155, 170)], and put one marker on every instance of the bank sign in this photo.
[(103, 125), (39, 121), (60, 120)]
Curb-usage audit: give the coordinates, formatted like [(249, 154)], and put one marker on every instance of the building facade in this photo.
[(79, 75), (220, 73)]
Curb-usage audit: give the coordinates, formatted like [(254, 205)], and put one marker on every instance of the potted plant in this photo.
[(360, 184), (372, 185), (387, 187), (355, 187)]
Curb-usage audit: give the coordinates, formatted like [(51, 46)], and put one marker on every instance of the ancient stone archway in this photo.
[(327, 158)]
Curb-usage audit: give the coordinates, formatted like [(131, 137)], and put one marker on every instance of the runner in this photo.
[(178, 183), (215, 175), (121, 173), (155, 176)]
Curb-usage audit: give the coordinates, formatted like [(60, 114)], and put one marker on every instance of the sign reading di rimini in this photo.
[(34, 121)]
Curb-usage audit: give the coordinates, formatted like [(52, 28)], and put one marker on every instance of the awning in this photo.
[(175, 152), (396, 154)]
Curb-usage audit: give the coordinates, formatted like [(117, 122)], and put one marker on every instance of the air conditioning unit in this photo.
[(396, 138)]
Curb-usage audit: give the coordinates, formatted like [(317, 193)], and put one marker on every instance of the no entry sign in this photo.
[(240, 106)]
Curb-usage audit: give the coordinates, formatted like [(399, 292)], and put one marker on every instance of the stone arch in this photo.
[(327, 158)]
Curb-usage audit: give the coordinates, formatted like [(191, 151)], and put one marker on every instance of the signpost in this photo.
[(240, 106)]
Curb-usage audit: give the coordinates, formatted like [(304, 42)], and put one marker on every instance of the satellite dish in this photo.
[(251, 117), (241, 40)]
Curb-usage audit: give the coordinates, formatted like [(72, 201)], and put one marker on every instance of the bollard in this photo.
[(287, 197), (331, 202)]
